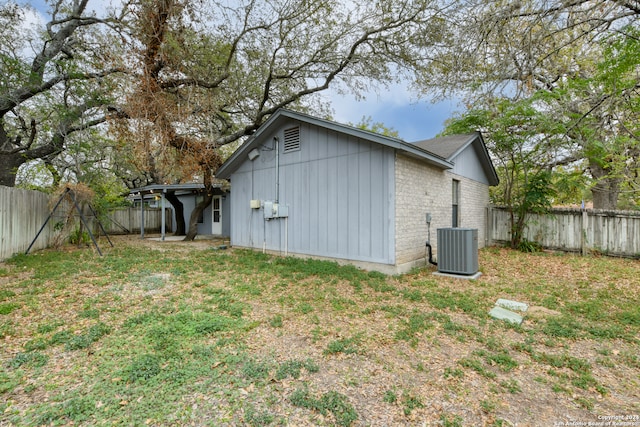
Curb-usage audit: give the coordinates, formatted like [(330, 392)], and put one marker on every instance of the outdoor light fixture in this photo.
[(253, 154)]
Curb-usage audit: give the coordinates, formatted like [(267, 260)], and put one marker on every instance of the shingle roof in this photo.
[(446, 146)]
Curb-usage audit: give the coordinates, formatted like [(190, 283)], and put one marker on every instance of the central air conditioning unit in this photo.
[(458, 251)]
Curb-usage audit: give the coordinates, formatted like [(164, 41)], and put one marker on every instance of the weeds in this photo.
[(158, 357), (344, 345), (331, 402)]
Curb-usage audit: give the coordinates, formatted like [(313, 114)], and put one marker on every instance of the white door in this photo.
[(216, 215)]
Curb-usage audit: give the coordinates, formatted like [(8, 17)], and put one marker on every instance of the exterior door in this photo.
[(216, 215)]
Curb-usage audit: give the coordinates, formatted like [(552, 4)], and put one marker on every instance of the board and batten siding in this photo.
[(339, 191), (468, 164)]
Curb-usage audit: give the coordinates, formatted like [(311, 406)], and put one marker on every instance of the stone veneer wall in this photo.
[(422, 189)]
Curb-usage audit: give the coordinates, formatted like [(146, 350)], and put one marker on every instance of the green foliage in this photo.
[(451, 420), (143, 367), (331, 402), (390, 396), (293, 368), (343, 345), (7, 308), (33, 358), (414, 325), (256, 418), (512, 386), (476, 365), (410, 402), (366, 123), (93, 334)]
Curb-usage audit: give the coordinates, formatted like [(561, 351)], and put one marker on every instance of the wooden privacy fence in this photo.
[(127, 220), (23, 212), (574, 230)]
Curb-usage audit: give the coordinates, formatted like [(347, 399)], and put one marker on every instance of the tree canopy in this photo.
[(152, 91), (578, 64)]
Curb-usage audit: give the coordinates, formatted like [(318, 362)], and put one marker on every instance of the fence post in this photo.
[(583, 238), (489, 226)]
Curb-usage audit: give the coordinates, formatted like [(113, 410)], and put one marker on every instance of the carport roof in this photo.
[(163, 188)]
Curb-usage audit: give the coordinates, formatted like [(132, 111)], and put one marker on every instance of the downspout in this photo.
[(276, 142), (428, 245)]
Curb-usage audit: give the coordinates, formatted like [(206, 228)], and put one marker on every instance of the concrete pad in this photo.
[(458, 276), (512, 305), (504, 314)]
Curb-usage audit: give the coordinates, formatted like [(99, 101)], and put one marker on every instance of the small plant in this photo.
[(345, 345), (411, 402), (143, 367), (453, 373), (451, 420), (564, 327), (417, 323), (390, 396), (585, 403), (48, 327), (528, 246), (503, 360), (330, 402), (7, 308), (89, 313), (255, 370), (511, 386), (304, 308), (6, 293), (35, 344), (293, 368), (34, 359), (256, 418), (477, 366), (93, 334), (79, 237), (487, 406), (276, 321)]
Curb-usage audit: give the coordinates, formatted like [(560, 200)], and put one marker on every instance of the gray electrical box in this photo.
[(268, 210), (282, 211)]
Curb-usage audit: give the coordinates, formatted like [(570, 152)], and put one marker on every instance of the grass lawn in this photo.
[(173, 333)]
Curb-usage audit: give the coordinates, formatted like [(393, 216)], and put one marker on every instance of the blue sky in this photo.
[(414, 120)]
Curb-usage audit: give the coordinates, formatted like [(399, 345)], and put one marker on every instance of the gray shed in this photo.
[(309, 186)]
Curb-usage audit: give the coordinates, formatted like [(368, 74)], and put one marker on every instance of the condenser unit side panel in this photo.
[(458, 250)]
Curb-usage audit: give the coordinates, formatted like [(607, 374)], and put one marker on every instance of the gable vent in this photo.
[(291, 139)]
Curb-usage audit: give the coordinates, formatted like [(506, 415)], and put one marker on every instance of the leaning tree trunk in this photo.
[(178, 207), (195, 214)]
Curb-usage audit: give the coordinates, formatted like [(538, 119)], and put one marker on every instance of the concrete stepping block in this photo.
[(504, 314), (512, 305)]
